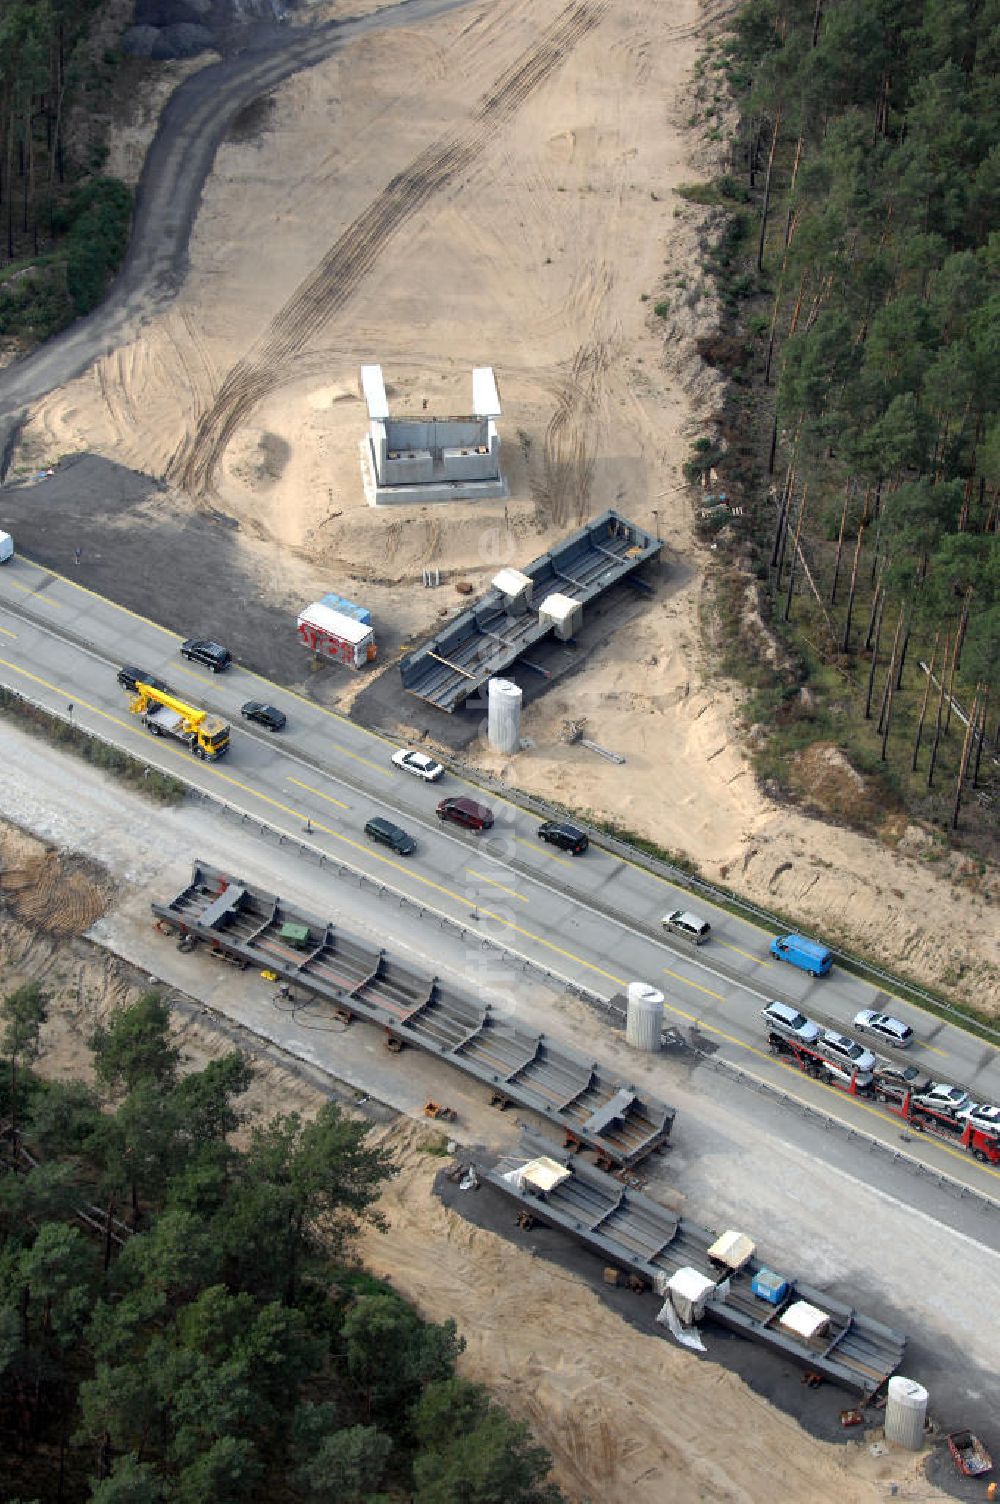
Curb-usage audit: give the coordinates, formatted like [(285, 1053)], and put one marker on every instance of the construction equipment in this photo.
[(811, 1059), (630, 1232), (163, 714), (982, 1143), (969, 1454), (534, 1072), (439, 1113)]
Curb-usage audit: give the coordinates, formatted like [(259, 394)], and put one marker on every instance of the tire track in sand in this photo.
[(325, 291)]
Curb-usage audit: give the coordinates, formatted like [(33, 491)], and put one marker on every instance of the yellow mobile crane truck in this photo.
[(164, 715)]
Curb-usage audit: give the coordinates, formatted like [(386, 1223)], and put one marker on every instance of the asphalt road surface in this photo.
[(899, 1245), (591, 921), (191, 128)]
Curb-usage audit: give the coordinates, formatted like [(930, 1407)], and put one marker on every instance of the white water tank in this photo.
[(644, 1016), (905, 1413), (504, 716)]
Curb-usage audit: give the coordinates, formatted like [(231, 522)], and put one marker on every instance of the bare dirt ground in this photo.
[(528, 221), (625, 1414)]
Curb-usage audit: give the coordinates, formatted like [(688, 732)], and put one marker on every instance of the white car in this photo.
[(890, 1030), (419, 764), (790, 1021), (940, 1097), (981, 1115), (842, 1047)]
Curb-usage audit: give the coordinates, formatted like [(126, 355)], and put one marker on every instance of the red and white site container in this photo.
[(336, 636)]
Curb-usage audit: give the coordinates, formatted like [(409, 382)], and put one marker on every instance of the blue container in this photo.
[(347, 608), (769, 1286)]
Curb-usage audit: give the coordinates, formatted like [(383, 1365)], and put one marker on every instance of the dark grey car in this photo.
[(268, 716), (386, 834), (202, 650), (129, 677)]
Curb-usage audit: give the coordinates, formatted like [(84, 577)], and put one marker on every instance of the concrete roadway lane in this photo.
[(328, 772)]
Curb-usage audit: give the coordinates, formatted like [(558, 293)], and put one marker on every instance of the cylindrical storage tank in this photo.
[(905, 1413), (644, 1017), (504, 718)]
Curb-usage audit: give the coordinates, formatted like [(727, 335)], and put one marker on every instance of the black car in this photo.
[(566, 837), (129, 677), (212, 654), (388, 834), (268, 716)]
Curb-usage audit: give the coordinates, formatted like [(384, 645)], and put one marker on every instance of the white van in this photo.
[(689, 926), (6, 547)]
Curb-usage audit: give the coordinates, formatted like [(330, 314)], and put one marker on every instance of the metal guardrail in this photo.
[(543, 809), (613, 1014), (334, 864), (625, 851), (752, 1082)]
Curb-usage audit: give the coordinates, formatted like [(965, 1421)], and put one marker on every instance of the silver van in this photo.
[(689, 926)]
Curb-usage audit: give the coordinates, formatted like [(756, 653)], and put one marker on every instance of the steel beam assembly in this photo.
[(601, 1111)]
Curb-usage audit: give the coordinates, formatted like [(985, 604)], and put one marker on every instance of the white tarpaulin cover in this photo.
[(733, 1249), (544, 1173), (668, 1317), (689, 1289), (804, 1320), (335, 622), (512, 582)]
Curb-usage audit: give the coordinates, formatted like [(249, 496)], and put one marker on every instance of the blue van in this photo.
[(805, 954)]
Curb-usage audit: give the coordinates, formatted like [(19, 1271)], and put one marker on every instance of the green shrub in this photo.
[(161, 787), (36, 305), (730, 187), (97, 218)]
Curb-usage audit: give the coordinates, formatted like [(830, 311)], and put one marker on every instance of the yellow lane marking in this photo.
[(688, 983), (334, 715), (24, 674), (741, 952), (36, 594), (935, 1051), (138, 616), (214, 770), (492, 880), (105, 601), (319, 793), (358, 758), (894, 1121), (877, 1112), (8, 634), (192, 673), (540, 848)]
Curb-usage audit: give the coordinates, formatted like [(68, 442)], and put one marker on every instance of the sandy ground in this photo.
[(623, 1413), (544, 254), (626, 1416)]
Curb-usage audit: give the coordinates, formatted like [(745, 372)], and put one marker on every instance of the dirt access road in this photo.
[(180, 159)]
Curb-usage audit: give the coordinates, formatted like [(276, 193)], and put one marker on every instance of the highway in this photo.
[(322, 777)]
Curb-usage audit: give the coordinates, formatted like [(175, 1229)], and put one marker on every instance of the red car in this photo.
[(466, 812)]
